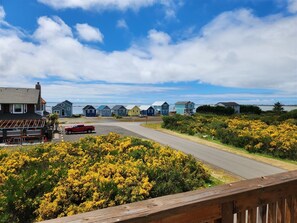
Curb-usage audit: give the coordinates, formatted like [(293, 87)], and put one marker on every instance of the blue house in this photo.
[(89, 111), (63, 109), (119, 110), (161, 108), (104, 111), (184, 107), (147, 110)]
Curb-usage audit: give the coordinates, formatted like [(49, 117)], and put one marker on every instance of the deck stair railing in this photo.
[(271, 199)]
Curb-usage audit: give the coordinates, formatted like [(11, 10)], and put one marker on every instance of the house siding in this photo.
[(162, 109), (64, 106), (120, 111), (186, 108), (135, 111), (148, 112)]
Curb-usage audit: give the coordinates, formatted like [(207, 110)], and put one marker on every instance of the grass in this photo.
[(281, 163)]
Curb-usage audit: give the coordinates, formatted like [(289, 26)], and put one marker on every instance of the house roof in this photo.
[(228, 103), (129, 107), (59, 105), (66, 101), (117, 107), (19, 95), (183, 102), (159, 103), (43, 101), (145, 107), (88, 107), (101, 107)]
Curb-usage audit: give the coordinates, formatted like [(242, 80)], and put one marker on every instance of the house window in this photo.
[(63, 112), (17, 108), (57, 112), (25, 108), (0, 107)]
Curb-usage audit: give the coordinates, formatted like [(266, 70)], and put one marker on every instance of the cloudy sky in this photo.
[(145, 50)]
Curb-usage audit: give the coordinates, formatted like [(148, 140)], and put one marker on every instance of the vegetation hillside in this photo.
[(54, 180), (273, 134)]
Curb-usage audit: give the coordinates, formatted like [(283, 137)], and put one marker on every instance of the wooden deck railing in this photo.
[(271, 199)]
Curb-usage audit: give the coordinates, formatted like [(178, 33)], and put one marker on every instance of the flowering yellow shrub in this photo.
[(278, 138), (55, 180)]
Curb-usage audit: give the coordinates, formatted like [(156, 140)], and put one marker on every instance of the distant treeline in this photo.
[(220, 110)]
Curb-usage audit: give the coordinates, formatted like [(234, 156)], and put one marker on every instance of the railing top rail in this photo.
[(243, 194)]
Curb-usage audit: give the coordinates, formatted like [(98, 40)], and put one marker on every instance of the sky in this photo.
[(141, 51)]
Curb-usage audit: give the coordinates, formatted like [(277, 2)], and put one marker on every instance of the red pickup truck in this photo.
[(79, 128)]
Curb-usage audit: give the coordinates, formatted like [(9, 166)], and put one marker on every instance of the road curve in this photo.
[(238, 165)]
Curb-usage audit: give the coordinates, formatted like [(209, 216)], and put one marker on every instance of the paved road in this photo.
[(238, 165)]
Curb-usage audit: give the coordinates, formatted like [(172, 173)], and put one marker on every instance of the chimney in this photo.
[(37, 86), (39, 103)]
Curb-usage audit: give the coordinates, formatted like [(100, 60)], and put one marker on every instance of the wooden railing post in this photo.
[(227, 212)]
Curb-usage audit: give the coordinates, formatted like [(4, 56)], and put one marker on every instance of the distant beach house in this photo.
[(63, 109), (161, 107), (147, 110), (89, 111), (119, 110), (104, 111), (233, 105), (133, 110), (184, 107)]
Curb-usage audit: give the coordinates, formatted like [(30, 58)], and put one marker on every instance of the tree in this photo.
[(250, 109), (53, 121), (278, 107)]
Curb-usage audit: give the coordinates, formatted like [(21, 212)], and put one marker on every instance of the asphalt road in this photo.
[(235, 164)]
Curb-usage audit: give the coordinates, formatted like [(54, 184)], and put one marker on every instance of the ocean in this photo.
[(77, 107)]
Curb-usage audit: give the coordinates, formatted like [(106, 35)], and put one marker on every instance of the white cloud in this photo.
[(89, 33), (100, 4), (2, 13), (158, 37), (52, 28), (237, 49), (292, 6), (121, 23)]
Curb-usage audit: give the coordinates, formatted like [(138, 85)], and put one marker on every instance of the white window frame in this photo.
[(22, 109)]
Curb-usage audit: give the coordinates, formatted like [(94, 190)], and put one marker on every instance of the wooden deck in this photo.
[(271, 199)]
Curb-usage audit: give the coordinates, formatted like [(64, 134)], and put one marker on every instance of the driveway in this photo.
[(99, 130), (235, 164)]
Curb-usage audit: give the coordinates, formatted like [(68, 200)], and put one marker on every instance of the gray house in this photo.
[(119, 110), (161, 108), (104, 111), (63, 109), (233, 105)]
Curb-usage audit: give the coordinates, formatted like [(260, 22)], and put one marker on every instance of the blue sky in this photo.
[(141, 51)]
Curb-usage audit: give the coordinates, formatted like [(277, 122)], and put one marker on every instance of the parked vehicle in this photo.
[(79, 128)]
